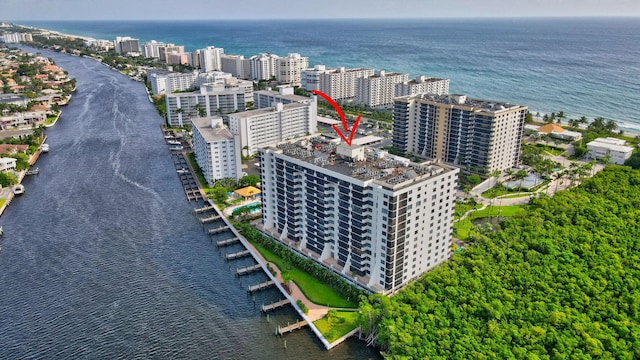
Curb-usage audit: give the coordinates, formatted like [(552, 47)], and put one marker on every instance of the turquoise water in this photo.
[(583, 66)]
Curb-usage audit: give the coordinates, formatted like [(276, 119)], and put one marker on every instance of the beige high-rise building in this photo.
[(290, 69), (479, 135), (378, 90), (339, 83)]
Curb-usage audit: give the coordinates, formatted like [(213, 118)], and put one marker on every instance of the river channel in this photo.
[(103, 258)]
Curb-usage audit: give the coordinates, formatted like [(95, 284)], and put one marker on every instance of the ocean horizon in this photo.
[(582, 66)]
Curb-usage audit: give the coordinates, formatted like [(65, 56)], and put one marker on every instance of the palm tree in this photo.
[(520, 175), (598, 124), (583, 120), (610, 126), (574, 123)]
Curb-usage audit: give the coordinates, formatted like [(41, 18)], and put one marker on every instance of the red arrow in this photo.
[(344, 120)]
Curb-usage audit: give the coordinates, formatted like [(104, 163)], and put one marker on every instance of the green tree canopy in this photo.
[(562, 282)]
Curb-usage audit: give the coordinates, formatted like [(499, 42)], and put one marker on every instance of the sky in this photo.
[(12, 10)]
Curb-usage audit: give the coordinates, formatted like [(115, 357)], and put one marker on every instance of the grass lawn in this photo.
[(313, 289), (515, 196), (505, 211), (338, 325), (495, 192), (551, 149), (462, 228), (462, 208)]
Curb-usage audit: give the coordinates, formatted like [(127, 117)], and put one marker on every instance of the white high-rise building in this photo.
[(480, 135), (210, 58), (211, 100), (423, 85), (378, 90), (211, 77), (217, 151), (290, 68), (378, 220), (285, 95), (339, 83), (264, 66), (269, 125), (236, 65), (166, 82), (150, 49)]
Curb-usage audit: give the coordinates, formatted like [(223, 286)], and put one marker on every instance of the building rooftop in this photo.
[(606, 143), (212, 133), (290, 97), (251, 113), (359, 162), (462, 100)]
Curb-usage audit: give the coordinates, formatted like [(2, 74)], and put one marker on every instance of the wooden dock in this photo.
[(204, 209), (193, 195), (210, 219), (275, 305), (226, 242), (261, 286), (289, 328), (218, 230), (247, 270), (238, 255)]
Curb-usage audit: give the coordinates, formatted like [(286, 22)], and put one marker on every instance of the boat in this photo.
[(173, 142), (44, 148), (34, 171), (182, 171), (176, 148), (1, 231), (18, 189)]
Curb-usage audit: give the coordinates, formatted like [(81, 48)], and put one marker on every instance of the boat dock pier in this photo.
[(275, 305), (204, 209), (227, 242), (218, 230), (247, 270), (289, 328), (210, 219), (261, 286), (238, 255)]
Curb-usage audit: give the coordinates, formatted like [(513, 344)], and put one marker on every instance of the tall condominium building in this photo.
[(150, 49), (210, 100), (166, 82), (377, 219), (273, 124), (378, 90), (263, 66), (421, 85), (16, 38), (211, 77), (217, 151), (164, 52), (479, 135), (285, 95), (339, 83), (236, 65), (126, 45), (210, 58), (290, 68)]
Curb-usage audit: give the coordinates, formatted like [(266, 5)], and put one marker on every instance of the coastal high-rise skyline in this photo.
[(255, 9)]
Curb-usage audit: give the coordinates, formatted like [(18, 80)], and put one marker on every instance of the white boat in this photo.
[(182, 171), (18, 189), (44, 148), (173, 142)]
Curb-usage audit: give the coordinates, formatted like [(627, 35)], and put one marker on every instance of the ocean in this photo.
[(582, 66)]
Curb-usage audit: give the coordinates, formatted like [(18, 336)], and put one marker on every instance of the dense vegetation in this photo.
[(562, 282)]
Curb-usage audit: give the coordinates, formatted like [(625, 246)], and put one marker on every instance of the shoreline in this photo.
[(630, 131)]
